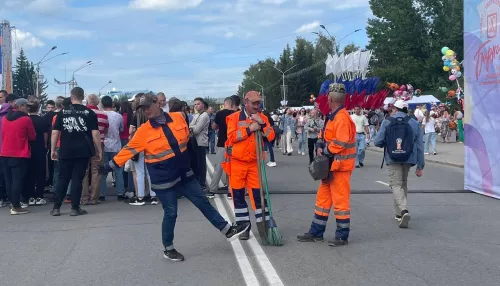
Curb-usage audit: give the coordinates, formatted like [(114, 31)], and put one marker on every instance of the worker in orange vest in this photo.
[(242, 154), (164, 139), (339, 144)]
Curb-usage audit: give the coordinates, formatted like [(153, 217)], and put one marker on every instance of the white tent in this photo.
[(423, 99)]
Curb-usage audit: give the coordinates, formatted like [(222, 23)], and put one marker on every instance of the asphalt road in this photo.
[(451, 239)]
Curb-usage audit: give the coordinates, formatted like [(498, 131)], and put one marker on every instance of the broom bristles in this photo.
[(273, 235)]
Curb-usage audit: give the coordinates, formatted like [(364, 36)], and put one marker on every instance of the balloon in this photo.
[(458, 74), (312, 95), (452, 77), (457, 68), (444, 50), (444, 89), (451, 94), (447, 62), (444, 58), (409, 88), (449, 53), (402, 87), (445, 68), (311, 100)]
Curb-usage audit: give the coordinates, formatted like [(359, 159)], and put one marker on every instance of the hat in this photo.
[(400, 104), (253, 96), (337, 87), (20, 102), (146, 100)]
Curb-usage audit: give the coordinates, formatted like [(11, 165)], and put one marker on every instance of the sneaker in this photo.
[(298, 152), (77, 212), (307, 237), (361, 164), (173, 255), (303, 153), (18, 211), (40, 202), (23, 205), (2, 203), (122, 197), (210, 195), (405, 218), (434, 153), (398, 218), (32, 202), (236, 230), (137, 202), (55, 212), (337, 242), (357, 167), (426, 153), (154, 201), (245, 235), (272, 164)]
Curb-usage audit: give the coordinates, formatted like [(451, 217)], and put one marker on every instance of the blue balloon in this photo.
[(447, 62)]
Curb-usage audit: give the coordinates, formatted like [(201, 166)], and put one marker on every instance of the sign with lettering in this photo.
[(482, 90)]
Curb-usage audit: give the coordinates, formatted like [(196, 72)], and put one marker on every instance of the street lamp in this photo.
[(38, 69), (263, 97), (283, 73), (109, 82), (73, 82), (337, 44)]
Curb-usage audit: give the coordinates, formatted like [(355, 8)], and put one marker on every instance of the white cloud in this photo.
[(229, 35), (307, 27), (336, 4), (25, 40), (55, 33), (164, 4)]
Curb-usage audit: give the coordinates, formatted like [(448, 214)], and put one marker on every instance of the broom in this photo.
[(261, 226), (273, 235)]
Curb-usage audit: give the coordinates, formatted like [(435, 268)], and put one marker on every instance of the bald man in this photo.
[(162, 100)]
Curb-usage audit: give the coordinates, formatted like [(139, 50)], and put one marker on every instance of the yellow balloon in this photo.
[(450, 53), (445, 68)]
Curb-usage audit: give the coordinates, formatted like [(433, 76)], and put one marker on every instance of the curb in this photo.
[(445, 163)]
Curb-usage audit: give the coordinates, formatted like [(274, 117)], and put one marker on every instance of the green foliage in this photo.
[(412, 55), (24, 79), (212, 103), (350, 48)]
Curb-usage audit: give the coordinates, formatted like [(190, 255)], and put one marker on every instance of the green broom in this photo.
[(261, 226), (273, 235)]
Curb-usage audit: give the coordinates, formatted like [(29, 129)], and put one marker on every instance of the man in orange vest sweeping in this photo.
[(164, 140), (241, 148), (339, 144)]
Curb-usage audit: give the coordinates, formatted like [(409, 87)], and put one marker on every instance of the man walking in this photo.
[(400, 135), (4, 109), (112, 144), (80, 140), (362, 133), (313, 126), (199, 129), (221, 125), (338, 143)]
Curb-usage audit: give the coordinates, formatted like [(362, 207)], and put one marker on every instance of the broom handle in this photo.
[(264, 185), (260, 171)]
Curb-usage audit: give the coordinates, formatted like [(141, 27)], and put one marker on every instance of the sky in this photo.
[(185, 48)]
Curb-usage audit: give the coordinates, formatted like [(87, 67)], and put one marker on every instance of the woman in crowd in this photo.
[(268, 145), (428, 124), (287, 126), (301, 122), (445, 126)]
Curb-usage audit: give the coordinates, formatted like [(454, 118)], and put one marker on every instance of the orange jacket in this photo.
[(240, 142), (340, 139), (165, 151)]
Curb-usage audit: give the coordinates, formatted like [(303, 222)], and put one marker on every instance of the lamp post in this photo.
[(38, 68), (109, 82), (73, 81), (263, 96), (283, 73), (337, 44)]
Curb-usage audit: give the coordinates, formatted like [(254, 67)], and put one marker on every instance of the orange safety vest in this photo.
[(240, 144), (165, 149), (339, 136)]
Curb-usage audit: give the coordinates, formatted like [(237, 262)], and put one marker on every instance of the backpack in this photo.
[(374, 119), (399, 139)]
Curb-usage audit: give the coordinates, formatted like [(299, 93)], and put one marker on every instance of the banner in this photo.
[(482, 90)]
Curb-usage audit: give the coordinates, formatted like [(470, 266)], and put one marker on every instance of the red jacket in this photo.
[(17, 131)]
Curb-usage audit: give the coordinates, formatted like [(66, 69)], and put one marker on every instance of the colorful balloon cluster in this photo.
[(450, 94), (404, 92), (451, 64), (312, 99)]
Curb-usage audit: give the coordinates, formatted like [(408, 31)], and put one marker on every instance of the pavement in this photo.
[(449, 242)]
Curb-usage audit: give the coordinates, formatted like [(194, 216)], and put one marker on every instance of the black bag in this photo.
[(399, 139), (319, 169)]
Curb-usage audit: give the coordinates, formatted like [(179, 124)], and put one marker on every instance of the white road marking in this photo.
[(241, 257), (383, 183), (265, 265)]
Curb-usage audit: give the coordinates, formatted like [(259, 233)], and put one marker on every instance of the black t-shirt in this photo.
[(38, 147), (220, 120), (48, 120), (76, 124)]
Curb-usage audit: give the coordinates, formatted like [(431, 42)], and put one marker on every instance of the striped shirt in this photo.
[(102, 121)]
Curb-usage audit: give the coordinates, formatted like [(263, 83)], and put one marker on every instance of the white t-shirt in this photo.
[(165, 108), (419, 114), (112, 142), (429, 126), (360, 121)]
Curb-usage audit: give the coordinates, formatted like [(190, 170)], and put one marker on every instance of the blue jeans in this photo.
[(360, 148), (269, 146), (430, 138), (302, 141), (373, 132), (192, 191), (211, 141), (120, 188)]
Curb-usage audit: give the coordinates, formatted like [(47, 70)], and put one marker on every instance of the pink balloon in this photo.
[(452, 77), (403, 87)]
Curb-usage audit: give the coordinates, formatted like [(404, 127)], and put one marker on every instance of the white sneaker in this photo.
[(40, 202), (23, 205), (32, 202), (303, 153), (427, 153), (271, 164)]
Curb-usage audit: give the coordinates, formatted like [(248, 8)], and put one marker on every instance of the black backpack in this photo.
[(399, 139)]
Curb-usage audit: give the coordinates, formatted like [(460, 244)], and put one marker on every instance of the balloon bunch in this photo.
[(312, 99), (451, 64), (450, 94), (404, 92)]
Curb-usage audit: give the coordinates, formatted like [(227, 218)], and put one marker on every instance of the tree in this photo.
[(212, 102), (25, 79), (350, 48)]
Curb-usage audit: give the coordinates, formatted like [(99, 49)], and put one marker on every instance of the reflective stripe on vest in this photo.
[(160, 155), (344, 144)]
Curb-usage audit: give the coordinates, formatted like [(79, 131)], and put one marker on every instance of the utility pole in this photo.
[(283, 73)]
